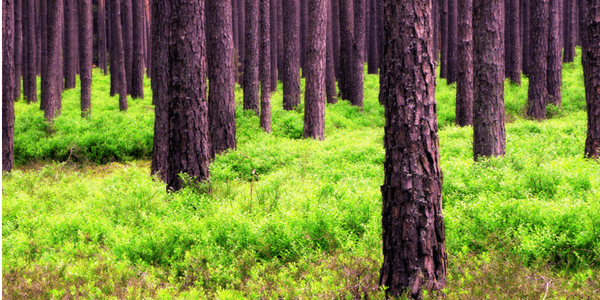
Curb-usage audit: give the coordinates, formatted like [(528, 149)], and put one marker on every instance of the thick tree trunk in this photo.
[(569, 30), (489, 135), (538, 94), (127, 34), (414, 250), (464, 84), (589, 17), (102, 37), (314, 100), (444, 38), (138, 67), (188, 126), (70, 50), (161, 34), (452, 34), (265, 65), (18, 47), (555, 47), (119, 56), (273, 43), (29, 49), (86, 45), (525, 29), (251, 87), (513, 52), (373, 60), (221, 93), (330, 87), (54, 73), (291, 54), (8, 83)]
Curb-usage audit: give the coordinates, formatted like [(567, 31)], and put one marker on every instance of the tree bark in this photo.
[(357, 81), (8, 84), (265, 65), (589, 16), (29, 48), (525, 14), (279, 40), (291, 54), (221, 94), (18, 47), (54, 73), (86, 44), (314, 100), (102, 37), (538, 94), (414, 251), (373, 59), (242, 42), (188, 126), (251, 97), (569, 30), (138, 67), (347, 44), (435, 16), (273, 44), (555, 47), (119, 60), (70, 45), (127, 34), (452, 33), (464, 84), (44, 63), (489, 136), (303, 23), (513, 52), (335, 27), (444, 38), (330, 87), (161, 34)]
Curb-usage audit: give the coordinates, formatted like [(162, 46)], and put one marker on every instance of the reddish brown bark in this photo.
[(70, 49), (127, 35), (291, 54), (314, 98), (525, 29), (555, 47), (138, 63), (251, 97), (443, 38), (54, 75), (464, 84), (569, 30), (102, 62), (119, 57), (86, 44), (373, 44), (330, 87), (273, 43), (8, 84), (452, 71), (18, 47), (589, 16), (29, 50), (265, 65), (537, 93), (513, 43)]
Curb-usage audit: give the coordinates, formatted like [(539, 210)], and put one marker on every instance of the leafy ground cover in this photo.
[(291, 218)]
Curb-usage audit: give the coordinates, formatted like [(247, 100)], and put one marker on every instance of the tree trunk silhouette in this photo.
[(44, 63), (188, 126), (70, 51), (414, 250), (18, 47), (221, 68), (29, 49), (86, 45), (279, 40), (464, 82), (291, 54), (127, 34), (119, 56), (347, 43), (444, 38), (569, 30), (8, 83), (357, 80), (314, 98), (303, 25), (513, 52), (435, 16), (330, 86), (537, 94), (265, 65), (335, 27), (373, 64), (489, 135), (54, 78), (589, 26), (251, 98), (525, 29), (273, 44), (242, 41), (452, 71), (555, 48), (102, 62), (138, 66)]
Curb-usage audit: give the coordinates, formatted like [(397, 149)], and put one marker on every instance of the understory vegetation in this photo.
[(289, 218)]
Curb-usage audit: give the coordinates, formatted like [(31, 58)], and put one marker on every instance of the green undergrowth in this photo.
[(289, 218)]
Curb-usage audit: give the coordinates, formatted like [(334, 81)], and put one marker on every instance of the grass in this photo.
[(291, 218)]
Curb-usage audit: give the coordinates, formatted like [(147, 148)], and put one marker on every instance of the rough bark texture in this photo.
[(538, 94), (314, 98), (18, 47), (29, 49), (335, 27), (119, 56), (273, 44), (291, 54), (555, 47), (8, 83), (102, 62), (525, 29), (589, 17), (414, 251), (86, 43), (127, 35), (569, 30), (489, 136), (251, 87), (265, 65), (54, 75), (373, 44), (111, 49), (513, 52), (188, 126), (346, 46), (452, 34), (242, 36), (138, 67), (435, 13), (303, 23), (443, 38), (357, 81), (70, 50), (221, 94), (44, 45), (464, 83), (160, 32), (330, 87)]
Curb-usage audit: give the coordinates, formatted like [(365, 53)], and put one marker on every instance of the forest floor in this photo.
[(289, 218)]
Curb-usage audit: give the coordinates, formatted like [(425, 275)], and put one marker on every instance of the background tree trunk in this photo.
[(444, 38), (102, 62), (569, 30), (555, 48), (357, 81), (188, 126), (347, 43), (314, 100), (29, 64), (373, 60), (119, 56), (538, 94), (414, 251), (18, 47), (489, 135), (464, 84), (273, 44), (330, 86), (589, 17), (44, 45), (525, 28), (265, 65), (127, 34), (138, 68), (54, 75), (251, 101), (303, 23), (86, 45), (242, 42), (513, 52), (8, 83), (291, 54), (335, 27), (452, 34), (70, 50)]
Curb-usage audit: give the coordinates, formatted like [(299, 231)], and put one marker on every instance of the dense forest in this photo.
[(328, 149)]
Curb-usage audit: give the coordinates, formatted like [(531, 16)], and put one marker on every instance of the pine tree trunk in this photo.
[(102, 37), (273, 44), (489, 135), (589, 16), (303, 23), (373, 64), (279, 40), (29, 49), (127, 34), (525, 29), (330, 86), (335, 27), (8, 83), (111, 49), (513, 50), (54, 73), (314, 100), (414, 251), (188, 126), (44, 45), (452, 34), (70, 51), (251, 98), (357, 81), (138, 67), (435, 16), (18, 47), (265, 65), (464, 83), (86, 45), (444, 38), (119, 56), (538, 94), (291, 54), (161, 34), (242, 42), (555, 47), (569, 30), (221, 68)]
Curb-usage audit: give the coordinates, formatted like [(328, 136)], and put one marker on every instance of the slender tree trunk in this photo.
[(335, 27), (314, 101), (526, 28), (358, 59), (303, 23), (538, 94), (444, 38), (435, 16), (221, 68), (251, 101), (70, 50), (291, 54), (452, 33), (347, 43), (29, 78), (280, 40), (589, 16), (330, 87), (273, 44), (18, 47), (373, 64), (86, 45), (555, 47), (161, 34), (127, 35), (464, 84), (148, 35), (188, 126), (54, 73), (513, 50), (44, 45), (8, 83), (569, 32), (489, 135), (242, 42), (138, 67), (114, 89), (38, 38), (265, 65), (102, 37), (414, 250), (119, 59)]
